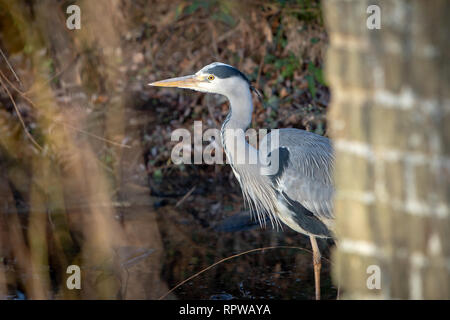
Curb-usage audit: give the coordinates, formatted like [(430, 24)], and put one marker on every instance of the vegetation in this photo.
[(85, 170)]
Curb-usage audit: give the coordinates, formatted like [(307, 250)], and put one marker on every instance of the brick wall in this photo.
[(390, 122)]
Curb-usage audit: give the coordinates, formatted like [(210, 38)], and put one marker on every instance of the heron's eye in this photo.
[(211, 77)]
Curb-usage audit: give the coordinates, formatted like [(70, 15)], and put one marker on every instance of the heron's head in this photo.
[(216, 77)]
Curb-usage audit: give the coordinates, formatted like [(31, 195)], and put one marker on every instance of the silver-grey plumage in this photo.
[(306, 178), (300, 193)]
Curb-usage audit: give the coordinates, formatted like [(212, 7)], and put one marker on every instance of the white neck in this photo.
[(241, 107), (248, 173)]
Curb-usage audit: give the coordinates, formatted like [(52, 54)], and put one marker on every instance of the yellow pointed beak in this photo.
[(180, 82)]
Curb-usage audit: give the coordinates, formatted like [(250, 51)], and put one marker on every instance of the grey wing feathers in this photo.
[(307, 176)]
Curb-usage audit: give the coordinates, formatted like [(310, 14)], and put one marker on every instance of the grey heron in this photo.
[(300, 192)]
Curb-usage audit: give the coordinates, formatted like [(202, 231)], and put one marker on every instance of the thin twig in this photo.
[(231, 257), (10, 83), (185, 197), (93, 135), (10, 67), (261, 65), (23, 95)]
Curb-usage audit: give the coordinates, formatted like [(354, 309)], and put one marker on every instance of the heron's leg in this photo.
[(317, 265)]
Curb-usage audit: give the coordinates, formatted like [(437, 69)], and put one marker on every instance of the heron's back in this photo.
[(304, 179)]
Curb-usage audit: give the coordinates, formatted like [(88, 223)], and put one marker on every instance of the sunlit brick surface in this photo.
[(390, 120)]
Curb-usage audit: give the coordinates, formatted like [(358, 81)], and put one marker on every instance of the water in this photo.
[(189, 238)]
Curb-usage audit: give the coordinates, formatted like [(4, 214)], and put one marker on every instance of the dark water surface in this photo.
[(186, 241)]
